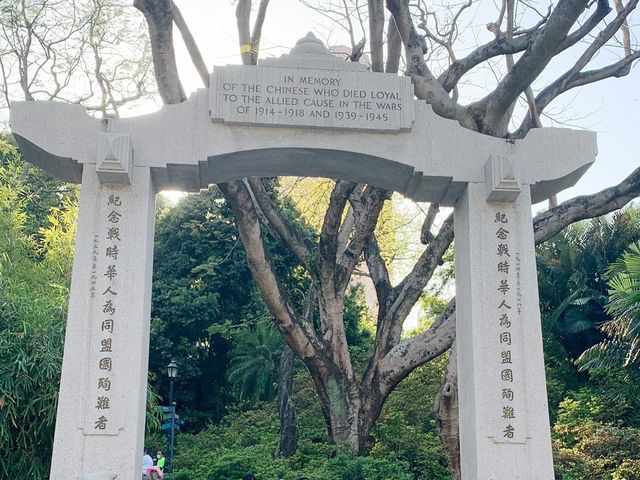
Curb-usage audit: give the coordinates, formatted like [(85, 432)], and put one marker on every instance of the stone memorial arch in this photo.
[(306, 113)]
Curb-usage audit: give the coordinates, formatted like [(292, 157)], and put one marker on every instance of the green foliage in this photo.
[(405, 444), (254, 365), (573, 293), (406, 429), (571, 276), (621, 347), (37, 191), (598, 428), (34, 281), (596, 419), (200, 280)]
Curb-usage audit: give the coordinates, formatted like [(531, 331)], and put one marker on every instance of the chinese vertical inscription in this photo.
[(101, 403), (506, 394)]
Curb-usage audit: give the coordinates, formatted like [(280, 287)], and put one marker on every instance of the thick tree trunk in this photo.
[(350, 411), (446, 412), (288, 442), (340, 401)]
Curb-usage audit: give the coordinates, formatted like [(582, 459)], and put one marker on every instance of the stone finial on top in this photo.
[(309, 45), (310, 52)]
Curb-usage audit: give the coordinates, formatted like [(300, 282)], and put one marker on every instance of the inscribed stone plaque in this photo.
[(308, 97), (103, 391), (504, 357)]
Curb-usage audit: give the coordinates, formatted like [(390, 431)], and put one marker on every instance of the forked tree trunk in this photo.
[(340, 402), (350, 411)]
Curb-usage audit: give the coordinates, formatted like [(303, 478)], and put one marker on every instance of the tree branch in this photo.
[(379, 272), (394, 47), (366, 218), (547, 224), (160, 23), (190, 43), (330, 231), (256, 36), (417, 350), (402, 297), (574, 78), (376, 29), (296, 330), (289, 235), (243, 20), (426, 86), (490, 112)]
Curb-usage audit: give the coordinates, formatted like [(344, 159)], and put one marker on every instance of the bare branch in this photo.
[(425, 232), (426, 86), (243, 20), (417, 350), (378, 271), (500, 46), (490, 112), (289, 235), (256, 36), (297, 330), (574, 78), (394, 46), (160, 22), (367, 211), (376, 29), (402, 297), (409, 290), (190, 43), (547, 224), (331, 228)]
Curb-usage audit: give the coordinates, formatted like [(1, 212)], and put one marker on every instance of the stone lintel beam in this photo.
[(186, 150)]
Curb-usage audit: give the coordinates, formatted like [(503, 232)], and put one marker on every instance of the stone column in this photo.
[(504, 421), (101, 409)]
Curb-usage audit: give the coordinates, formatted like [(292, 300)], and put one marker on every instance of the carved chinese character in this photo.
[(107, 325), (505, 337), (113, 216), (507, 394), (501, 218), (101, 423), (506, 375), (508, 432), (503, 250), (503, 267), (112, 252), (114, 200), (103, 403), (503, 287), (503, 304), (113, 234), (111, 272), (505, 355), (508, 412), (504, 320), (105, 364), (502, 234), (108, 290), (108, 308), (105, 345), (104, 383)]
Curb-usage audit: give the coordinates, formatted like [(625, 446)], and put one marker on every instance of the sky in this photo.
[(610, 108)]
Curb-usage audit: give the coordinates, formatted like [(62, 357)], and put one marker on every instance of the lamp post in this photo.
[(172, 373)]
